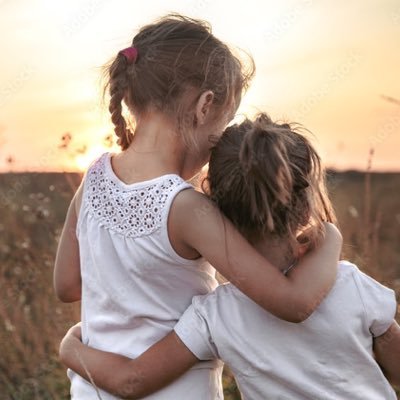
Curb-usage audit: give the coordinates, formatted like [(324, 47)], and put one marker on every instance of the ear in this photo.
[(203, 106)]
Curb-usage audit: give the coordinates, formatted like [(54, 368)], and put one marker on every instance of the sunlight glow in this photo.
[(82, 161), (334, 69)]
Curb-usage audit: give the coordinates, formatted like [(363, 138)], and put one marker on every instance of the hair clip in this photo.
[(130, 53)]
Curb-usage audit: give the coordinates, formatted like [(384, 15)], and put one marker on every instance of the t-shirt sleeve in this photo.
[(193, 330), (379, 302)]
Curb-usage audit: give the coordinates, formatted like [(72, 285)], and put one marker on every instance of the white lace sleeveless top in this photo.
[(135, 286)]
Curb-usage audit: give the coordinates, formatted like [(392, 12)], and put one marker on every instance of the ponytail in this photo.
[(268, 180), (266, 173)]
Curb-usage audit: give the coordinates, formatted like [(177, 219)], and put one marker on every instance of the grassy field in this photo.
[(32, 211)]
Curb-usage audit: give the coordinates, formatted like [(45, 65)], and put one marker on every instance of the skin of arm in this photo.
[(67, 272), (387, 353), (196, 223), (160, 365)]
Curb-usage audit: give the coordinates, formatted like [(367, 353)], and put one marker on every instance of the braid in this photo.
[(118, 85)]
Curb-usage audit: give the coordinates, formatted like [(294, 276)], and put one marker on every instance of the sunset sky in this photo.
[(327, 64)]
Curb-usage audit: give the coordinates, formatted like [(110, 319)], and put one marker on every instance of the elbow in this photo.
[(300, 311), (129, 392), (304, 303), (68, 298), (67, 295), (296, 318), (301, 316), (307, 306), (125, 391), (292, 314), (130, 387)]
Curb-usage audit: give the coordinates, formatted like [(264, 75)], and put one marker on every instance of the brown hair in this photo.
[(178, 59), (267, 179)]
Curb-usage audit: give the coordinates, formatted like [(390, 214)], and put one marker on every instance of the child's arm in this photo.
[(67, 272), (160, 365), (195, 222), (387, 353), (380, 308)]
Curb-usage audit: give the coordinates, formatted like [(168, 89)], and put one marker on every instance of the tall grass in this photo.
[(32, 211)]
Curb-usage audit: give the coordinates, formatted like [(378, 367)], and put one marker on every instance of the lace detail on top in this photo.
[(131, 210)]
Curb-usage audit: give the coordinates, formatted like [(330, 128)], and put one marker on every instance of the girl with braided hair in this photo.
[(139, 241), (268, 180)]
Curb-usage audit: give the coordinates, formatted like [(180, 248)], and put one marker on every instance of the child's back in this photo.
[(281, 201), (134, 285), (329, 356)]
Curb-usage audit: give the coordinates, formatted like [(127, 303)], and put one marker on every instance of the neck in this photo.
[(279, 252), (158, 149)]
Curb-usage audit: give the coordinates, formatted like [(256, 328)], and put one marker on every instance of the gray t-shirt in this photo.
[(329, 356)]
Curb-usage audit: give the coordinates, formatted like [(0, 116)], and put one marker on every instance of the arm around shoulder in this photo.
[(203, 228), (160, 365), (316, 273)]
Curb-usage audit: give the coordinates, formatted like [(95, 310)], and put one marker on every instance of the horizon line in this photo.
[(327, 169)]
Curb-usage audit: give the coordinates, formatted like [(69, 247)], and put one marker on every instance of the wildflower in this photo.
[(353, 211), (9, 326)]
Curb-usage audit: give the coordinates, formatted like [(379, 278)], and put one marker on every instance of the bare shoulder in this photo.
[(191, 219), (191, 203)]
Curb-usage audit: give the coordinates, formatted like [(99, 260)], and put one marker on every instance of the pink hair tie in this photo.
[(130, 53)]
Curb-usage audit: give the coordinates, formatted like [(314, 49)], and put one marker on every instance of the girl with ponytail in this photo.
[(268, 180), (139, 242)]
